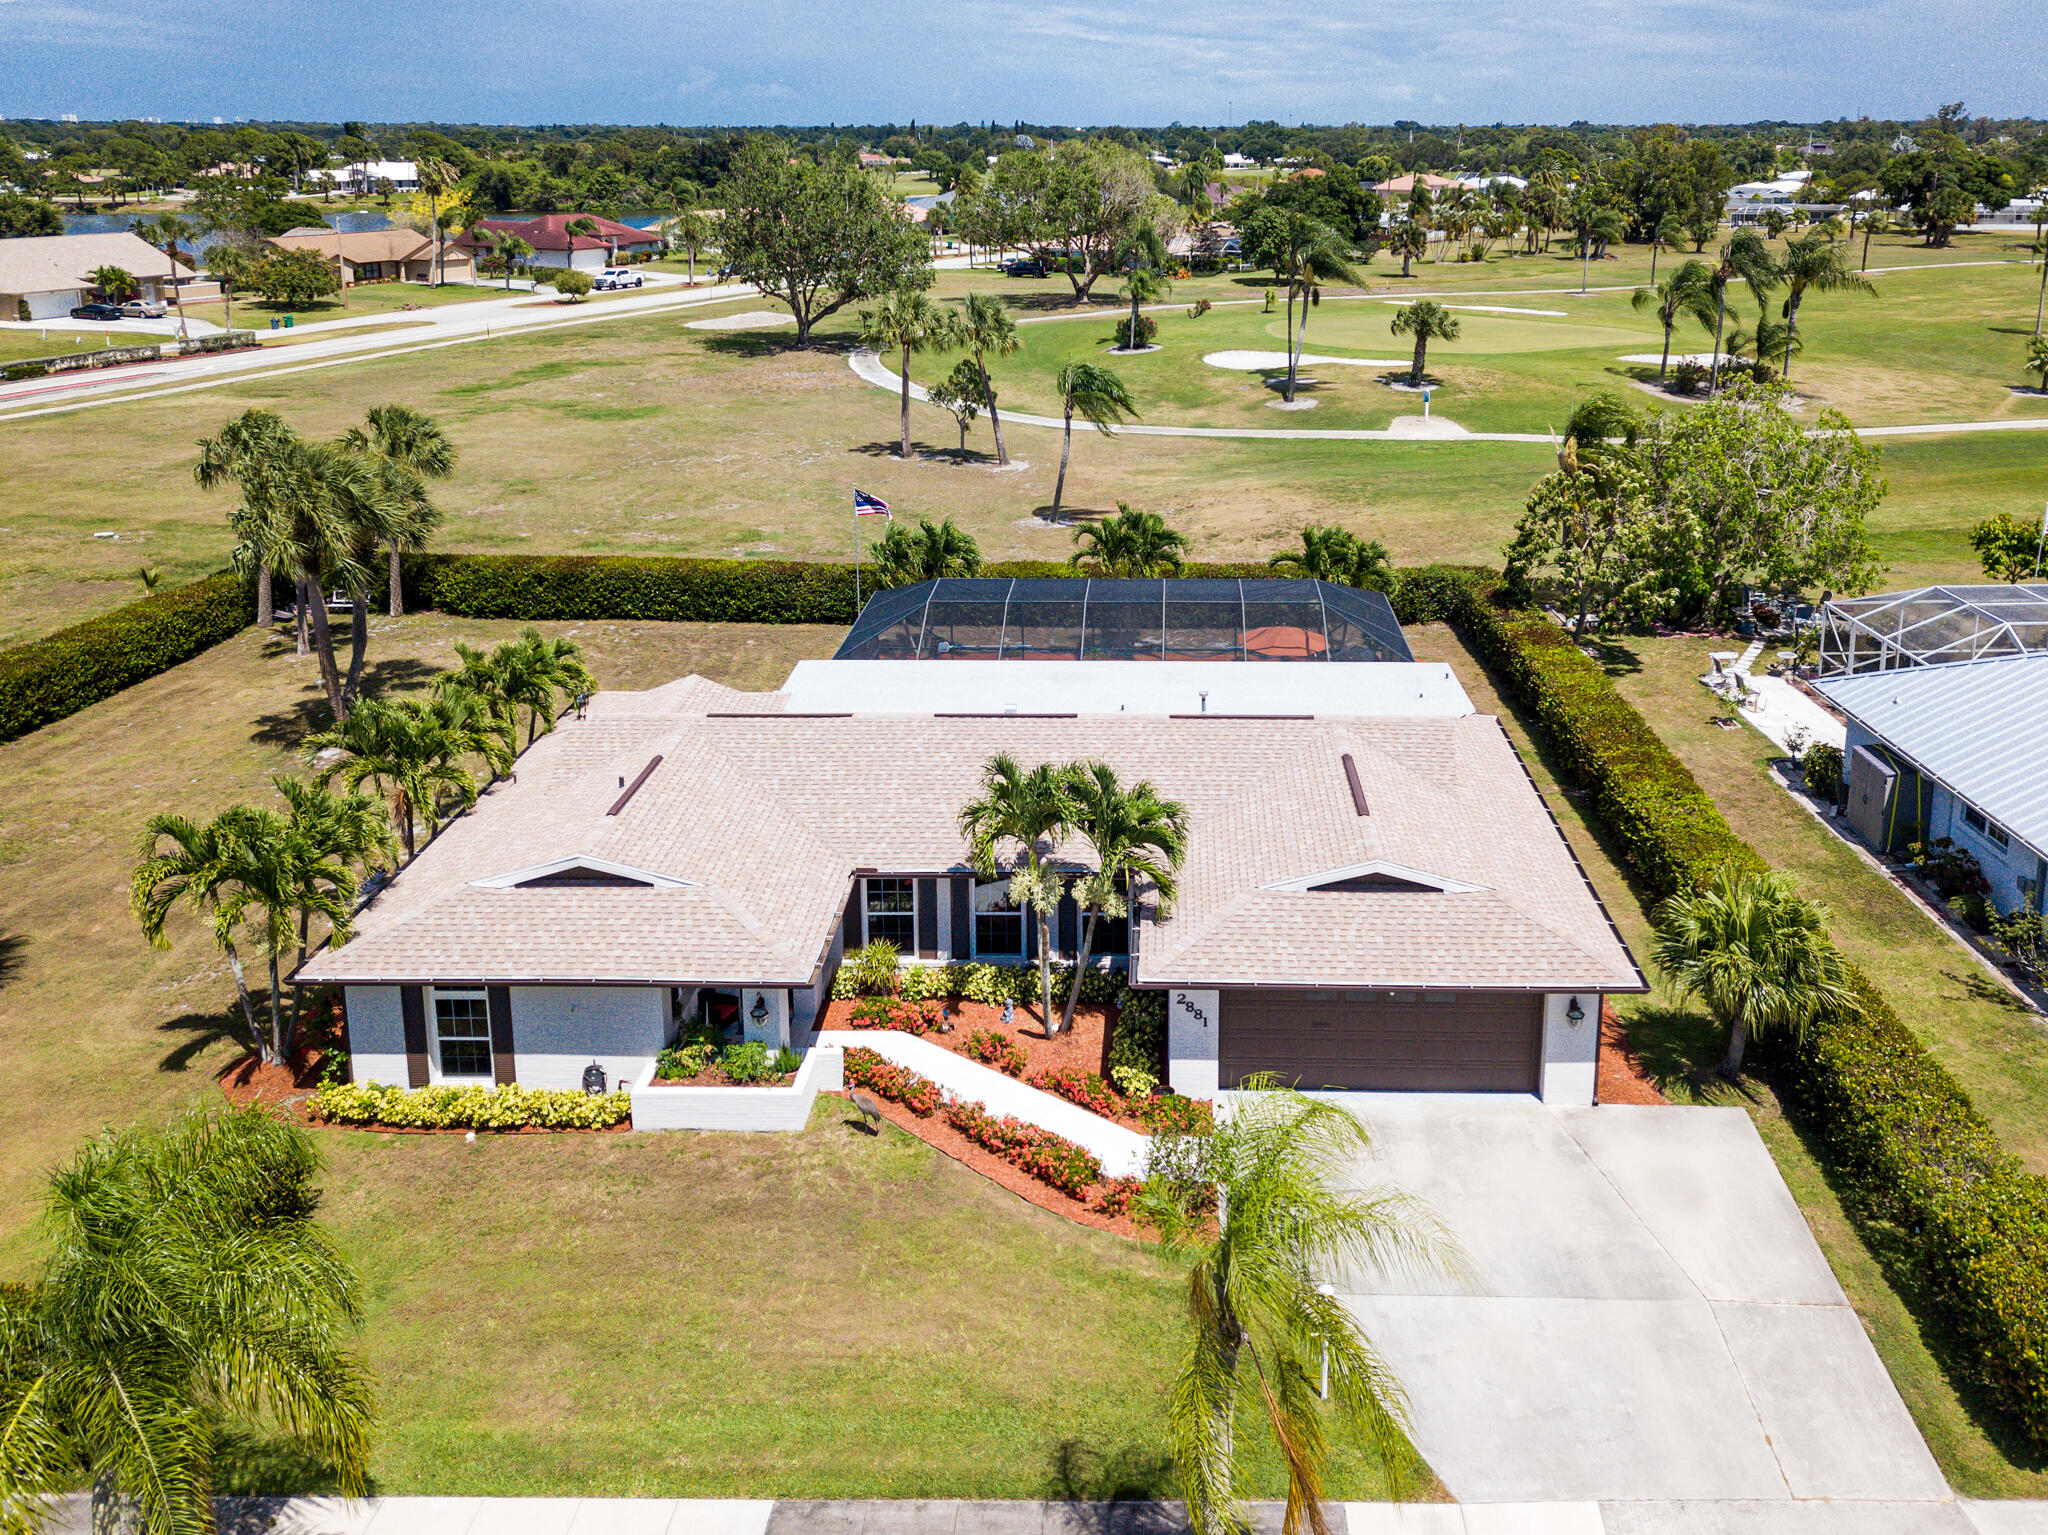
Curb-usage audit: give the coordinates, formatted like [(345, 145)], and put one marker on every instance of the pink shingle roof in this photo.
[(768, 815)]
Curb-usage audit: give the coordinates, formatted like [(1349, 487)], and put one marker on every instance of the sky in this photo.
[(1139, 62)]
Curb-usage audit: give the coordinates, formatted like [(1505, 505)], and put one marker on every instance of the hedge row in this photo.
[(49, 678), (1911, 1151)]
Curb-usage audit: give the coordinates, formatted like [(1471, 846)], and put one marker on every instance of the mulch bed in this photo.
[(940, 1136), (248, 1082), (1621, 1078)]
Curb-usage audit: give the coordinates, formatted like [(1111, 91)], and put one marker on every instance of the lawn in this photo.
[(1997, 1054), (828, 1314), (253, 313)]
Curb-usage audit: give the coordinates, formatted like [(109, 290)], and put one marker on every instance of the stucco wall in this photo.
[(559, 1030), (1191, 1035), (1570, 1054), (376, 1034)]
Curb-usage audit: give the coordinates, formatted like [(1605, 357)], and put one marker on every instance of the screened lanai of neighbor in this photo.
[(1932, 626), (1094, 619)]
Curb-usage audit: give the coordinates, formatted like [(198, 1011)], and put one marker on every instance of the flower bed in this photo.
[(473, 1106), (914, 1018), (1082, 1087), (992, 1049), (1052, 1159), (865, 1068)]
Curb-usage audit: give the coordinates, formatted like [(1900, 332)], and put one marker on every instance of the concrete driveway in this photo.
[(1650, 1320)]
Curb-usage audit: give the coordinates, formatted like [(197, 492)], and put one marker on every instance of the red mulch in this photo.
[(248, 1081), (939, 1135), (1621, 1078)]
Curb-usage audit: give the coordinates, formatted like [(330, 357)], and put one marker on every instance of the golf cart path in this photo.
[(869, 366)]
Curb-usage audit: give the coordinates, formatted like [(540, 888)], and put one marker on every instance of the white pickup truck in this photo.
[(618, 277)]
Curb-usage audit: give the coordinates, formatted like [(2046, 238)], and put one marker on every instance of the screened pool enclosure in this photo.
[(1931, 626), (1090, 619)]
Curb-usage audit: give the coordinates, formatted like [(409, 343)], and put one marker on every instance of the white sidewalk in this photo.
[(1781, 708)]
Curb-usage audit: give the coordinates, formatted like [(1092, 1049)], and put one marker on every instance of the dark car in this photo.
[(1024, 266), (97, 312)]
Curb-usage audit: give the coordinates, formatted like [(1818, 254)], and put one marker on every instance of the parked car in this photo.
[(144, 309), (1024, 266), (97, 312), (618, 277)]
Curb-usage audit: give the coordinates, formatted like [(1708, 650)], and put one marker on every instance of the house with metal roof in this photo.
[(1956, 750), (1375, 895)]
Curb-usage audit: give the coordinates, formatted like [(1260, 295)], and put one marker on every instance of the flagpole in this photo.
[(856, 555)]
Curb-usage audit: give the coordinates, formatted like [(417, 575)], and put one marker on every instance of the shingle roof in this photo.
[(57, 263), (359, 245), (1979, 727), (770, 815)]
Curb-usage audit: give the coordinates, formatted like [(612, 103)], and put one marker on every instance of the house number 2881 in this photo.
[(1188, 1006)]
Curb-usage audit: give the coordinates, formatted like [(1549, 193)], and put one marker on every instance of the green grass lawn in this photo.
[(253, 313), (827, 1314), (1997, 1053)]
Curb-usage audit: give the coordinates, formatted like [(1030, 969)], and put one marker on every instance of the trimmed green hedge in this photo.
[(47, 679), (1912, 1153)]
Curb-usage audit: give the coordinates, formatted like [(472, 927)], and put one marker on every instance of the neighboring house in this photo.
[(363, 177), (1238, 162), (1401, 186), (1375, 895), (381, 255), (52, 274), (554, 246)]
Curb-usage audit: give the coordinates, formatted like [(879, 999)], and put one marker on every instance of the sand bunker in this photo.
[(752, 319), (1258, 362), (1564, 314)]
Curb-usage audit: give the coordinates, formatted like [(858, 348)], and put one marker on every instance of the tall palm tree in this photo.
[(186, 1280), (1876, 222), (1687, 292), (987, 329), (540, 674), (1754, 952), (419, 449), (1407, 239), (908, 320), (339, 837), (1259, 1320), (690, 231), (247, 453), (1426, 320), (1131, 544), (1028, 813), (413, 751), (1339, 555), (206, 869), (1139, 839), (436, 179), (1668, 235), (1814, 263), (1306, 254), (935, 550), (1141, 285), (1096, 395), (510, 249), (1747, 257)]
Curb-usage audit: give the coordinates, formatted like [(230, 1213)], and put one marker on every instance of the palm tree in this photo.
[(1426, 320), (412, 750), (187, 1280), (1260, 1319), (1141, 285), (1876, 222), (1687, 292), (207, 869), (1754, 952), (418, 448), (1407, 239), (1306, 253), (2040, 249), (1029, 812), (1096, 395), (1814, 263), (540, 673), (986, 329), (1131, 544), (1138, 837), (934, 551), (1339, 555), (1747, 257), (337, 836), (1769, 339), (247, 452), (908, 319), (436, 179), (2037, 359), (691, 231), (1668, 235), (511, 250)]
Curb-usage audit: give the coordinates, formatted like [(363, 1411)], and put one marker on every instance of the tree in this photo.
[(296, 278), (1141, 286), (817, 237), (2009, 548), (1876, 222), (1686, 293), (1407, 239), (1669, 234), (1426, 320), (1814, 263), (1028, 813), (1078, 204), (1769, 339), (1130, 544), (2037, 358), (1339, 555), (987, 329), (335, 835), (187, 1279), (1775, 221), (412, 750), (115, 283), (908, 320), (1746, 257), (959, 393), (1943, 212), (1260, 1321), (248, 453), (1754, 952), (2040, 249), (21, 216), (1140, 839), (571, 284), (509, 250), (1302, 253), (437, 178), (1096, 395), (935, 550), (1590, 523), (689, 231), (419, 450), (1700, 226)]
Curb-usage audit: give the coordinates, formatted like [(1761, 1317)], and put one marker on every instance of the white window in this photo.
[(1982, 824), (462, 1034), (998, 924), (892, 913)]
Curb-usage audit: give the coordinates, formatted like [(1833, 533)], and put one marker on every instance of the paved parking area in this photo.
[(1649, 1319)]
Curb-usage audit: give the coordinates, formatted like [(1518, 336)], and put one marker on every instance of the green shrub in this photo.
[(747, 1064), (873, 969), (1133, 1081), (1148, 328), (1137, 1041), (471, 1106), (679, 1063), (997, 1050), (50, 678), (1821, 767), (1175, 1115), (1689, 377), (14, 373), (787, 1061)]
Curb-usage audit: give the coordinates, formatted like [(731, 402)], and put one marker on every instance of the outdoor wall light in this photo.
[(759, 1011), (1575, 1014)]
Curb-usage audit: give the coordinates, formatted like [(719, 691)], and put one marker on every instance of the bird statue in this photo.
[(870, 1111)]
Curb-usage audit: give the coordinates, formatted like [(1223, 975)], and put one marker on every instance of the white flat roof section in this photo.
[(1427, 689)]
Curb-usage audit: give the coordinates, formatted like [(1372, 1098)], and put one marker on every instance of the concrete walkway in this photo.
[(1781, 708)]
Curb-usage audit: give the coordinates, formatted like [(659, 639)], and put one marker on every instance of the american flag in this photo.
[(865, 505)]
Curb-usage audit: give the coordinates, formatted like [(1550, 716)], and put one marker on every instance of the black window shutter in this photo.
[(927, 919), (1069, 926), (412, 1006), (963, 919), (849, 930), (502, 1069)]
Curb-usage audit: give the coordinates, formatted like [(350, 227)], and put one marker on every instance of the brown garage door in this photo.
[(1385, 1040)]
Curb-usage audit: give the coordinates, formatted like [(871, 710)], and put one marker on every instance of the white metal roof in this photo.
[(1978, 727)]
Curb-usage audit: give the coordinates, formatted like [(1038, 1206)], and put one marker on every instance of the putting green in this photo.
[(1367, 329)]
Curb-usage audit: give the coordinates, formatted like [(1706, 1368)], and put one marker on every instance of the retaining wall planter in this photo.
[(742, 1108)]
